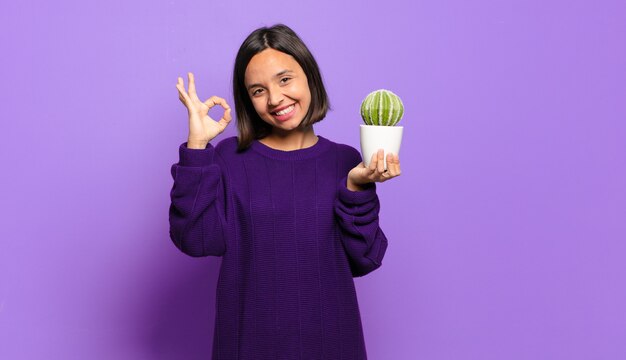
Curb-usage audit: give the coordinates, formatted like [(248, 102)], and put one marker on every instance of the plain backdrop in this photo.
[(506, 228)]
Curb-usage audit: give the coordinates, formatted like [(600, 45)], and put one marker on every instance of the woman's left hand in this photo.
[(375, 172)]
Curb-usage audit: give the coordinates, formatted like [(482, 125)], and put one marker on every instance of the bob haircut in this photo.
[(278, 37)]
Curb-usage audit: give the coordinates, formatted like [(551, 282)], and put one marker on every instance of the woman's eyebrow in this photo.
[(283, 72)]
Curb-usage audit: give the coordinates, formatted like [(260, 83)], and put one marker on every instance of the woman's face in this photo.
[(275, 82)]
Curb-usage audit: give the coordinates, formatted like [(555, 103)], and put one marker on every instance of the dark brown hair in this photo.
[(278, 37)]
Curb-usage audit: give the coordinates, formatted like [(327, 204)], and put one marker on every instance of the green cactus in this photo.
[(382, 107)]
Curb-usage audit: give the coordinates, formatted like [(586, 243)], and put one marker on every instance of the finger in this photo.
[(398, 171), (387, 174), (391, 165), (396, 165), (192, 85), (373, 163), (381, 160), (226, 118), (214, 100), (181, 90), (220, 101)]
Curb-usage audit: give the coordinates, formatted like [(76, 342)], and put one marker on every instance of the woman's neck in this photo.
[(294, 140)]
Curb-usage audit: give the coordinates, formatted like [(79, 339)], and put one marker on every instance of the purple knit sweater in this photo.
[(291, 237)]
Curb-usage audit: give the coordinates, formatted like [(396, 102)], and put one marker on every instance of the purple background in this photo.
[(506, 229)]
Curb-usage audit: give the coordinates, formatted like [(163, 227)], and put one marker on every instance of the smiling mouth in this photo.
[(284, 111)]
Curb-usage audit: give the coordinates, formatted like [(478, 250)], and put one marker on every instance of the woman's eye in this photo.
[(256, 91), (285, 78)]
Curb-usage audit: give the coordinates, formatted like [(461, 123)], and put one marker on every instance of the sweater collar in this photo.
[(316, 149)]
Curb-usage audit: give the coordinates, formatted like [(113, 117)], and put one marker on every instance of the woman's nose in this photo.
[(275, 97)]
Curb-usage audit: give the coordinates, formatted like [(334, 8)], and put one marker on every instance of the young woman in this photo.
[(293, 215)]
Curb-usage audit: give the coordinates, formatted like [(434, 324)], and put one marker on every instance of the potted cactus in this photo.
[(381, 110)]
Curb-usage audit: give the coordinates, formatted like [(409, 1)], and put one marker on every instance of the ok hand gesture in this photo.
[(202, 128)]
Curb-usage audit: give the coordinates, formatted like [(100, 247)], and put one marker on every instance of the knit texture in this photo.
[(291, 236)]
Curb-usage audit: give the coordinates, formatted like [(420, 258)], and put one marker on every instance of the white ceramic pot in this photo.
[(374, 137)]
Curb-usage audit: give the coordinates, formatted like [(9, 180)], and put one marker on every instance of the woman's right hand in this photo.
[(202, 128)]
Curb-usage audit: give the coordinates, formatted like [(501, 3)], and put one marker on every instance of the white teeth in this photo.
[(285, 111)]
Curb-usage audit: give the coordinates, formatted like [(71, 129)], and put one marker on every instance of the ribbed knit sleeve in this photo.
[(197, 211), (357, 215)]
